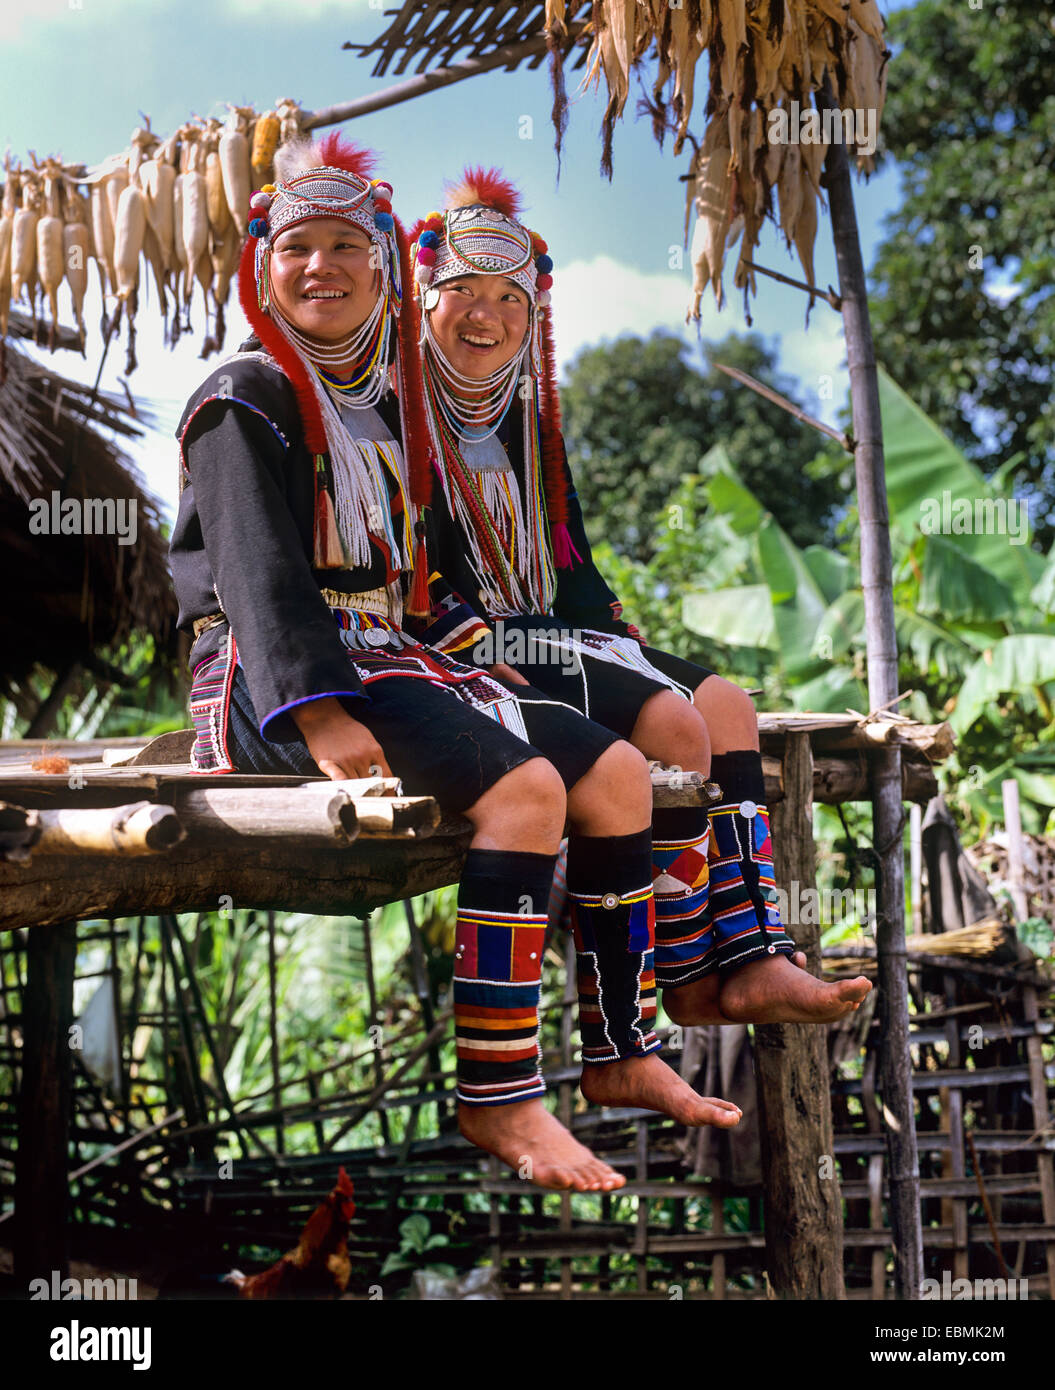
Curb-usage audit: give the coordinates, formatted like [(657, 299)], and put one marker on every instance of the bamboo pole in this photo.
[(888, 812), (143, 827), (272, 1023)]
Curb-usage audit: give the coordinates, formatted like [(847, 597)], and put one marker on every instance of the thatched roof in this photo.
[(72, 598)]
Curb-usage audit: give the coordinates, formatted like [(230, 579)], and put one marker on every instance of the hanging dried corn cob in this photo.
[(194, 218), (265, 143), (157, 178), (8, 208)]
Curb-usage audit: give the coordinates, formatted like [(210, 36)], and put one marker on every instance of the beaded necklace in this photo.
[(505, 531), (367, 348), (474, 407)]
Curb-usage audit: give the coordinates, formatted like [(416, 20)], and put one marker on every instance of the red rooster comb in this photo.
[(487, 186)]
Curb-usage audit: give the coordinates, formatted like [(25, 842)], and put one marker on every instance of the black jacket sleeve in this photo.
[(583, 598), (259, 555)]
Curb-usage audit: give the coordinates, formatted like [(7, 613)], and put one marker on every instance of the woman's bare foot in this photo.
[(696, 1004), (772, 990), (647, 1083), (536, 1146)]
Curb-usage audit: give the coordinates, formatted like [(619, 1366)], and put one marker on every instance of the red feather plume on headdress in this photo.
[(487, 186), (339, 153)]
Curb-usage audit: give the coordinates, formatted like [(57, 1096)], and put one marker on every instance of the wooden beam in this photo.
[(508, 56), (194, 877), (42, 1159), (802, 1203)]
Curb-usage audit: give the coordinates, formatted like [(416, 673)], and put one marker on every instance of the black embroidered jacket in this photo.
[(243, 542)]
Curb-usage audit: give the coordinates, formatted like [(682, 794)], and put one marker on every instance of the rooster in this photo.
[(319, 1259)]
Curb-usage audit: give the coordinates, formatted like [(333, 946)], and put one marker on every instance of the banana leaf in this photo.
[(923, 468), (740, 617), (1012, 665)]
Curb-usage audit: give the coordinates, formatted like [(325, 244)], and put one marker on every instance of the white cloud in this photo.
[(14, 15), (816, 355), (603, 298)]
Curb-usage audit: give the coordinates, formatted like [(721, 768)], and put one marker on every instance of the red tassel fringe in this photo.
[(329, 552), (417, 605), (415, 421), (563, 550), (552, 442)]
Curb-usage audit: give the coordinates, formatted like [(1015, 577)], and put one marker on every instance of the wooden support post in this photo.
[(803, 1206), (42, 1160), (881, 643), (1034, 1053)]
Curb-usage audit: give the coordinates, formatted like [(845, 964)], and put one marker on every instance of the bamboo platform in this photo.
[(127, 826), (127, 830)]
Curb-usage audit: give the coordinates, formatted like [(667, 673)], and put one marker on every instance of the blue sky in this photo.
[(79, 73)]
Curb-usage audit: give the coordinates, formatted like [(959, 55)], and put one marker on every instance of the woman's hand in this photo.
[(340, 745), (507, 675)]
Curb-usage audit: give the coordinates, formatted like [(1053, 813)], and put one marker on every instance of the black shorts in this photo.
[(434, 742), (606, 692)]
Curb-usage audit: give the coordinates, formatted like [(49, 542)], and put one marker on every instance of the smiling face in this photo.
[(480, 322), (322, 278)]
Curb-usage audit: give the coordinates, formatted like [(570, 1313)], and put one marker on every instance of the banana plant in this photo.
[(974, 604)]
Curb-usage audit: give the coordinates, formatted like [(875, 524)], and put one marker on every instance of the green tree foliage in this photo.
[(962, 304), (638, 416), (973, 607)]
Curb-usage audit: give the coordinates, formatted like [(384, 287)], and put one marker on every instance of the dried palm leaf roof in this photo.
[(767, 62), (68, 598), (437, 32)]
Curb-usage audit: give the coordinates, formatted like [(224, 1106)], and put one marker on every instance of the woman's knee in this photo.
[(674, 731), (729, 712), (524, 809), (616, 792)]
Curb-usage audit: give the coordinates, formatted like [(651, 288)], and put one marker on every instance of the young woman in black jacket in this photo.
[(298, 533)]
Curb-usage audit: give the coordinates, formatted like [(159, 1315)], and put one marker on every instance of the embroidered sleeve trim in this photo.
[(283, 709), (220, 396)]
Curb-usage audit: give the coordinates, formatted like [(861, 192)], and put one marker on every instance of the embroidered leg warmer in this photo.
[(613, 918), (680, 881), (499, 937), (742, 905)]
